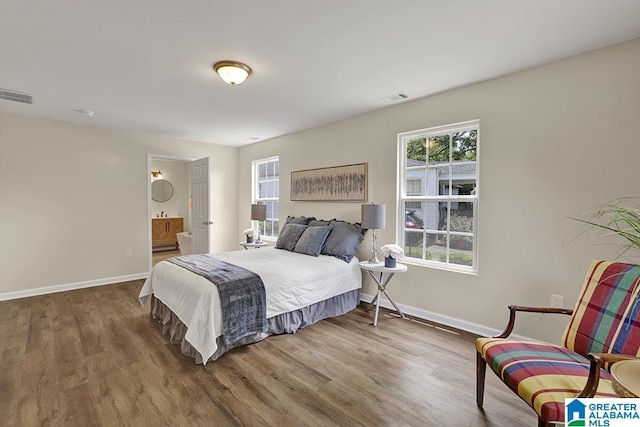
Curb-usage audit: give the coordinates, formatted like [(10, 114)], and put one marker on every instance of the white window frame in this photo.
[(403, 139), (255, 194)]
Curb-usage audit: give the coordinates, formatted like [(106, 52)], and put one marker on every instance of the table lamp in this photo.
[(373, 218), (258, 213)]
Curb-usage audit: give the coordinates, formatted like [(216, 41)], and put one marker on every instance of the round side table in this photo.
[(625, 378), (255, 245), (377, 273)]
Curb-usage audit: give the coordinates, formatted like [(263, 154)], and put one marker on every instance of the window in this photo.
[(414, 187), (438, 196), (266, 190)]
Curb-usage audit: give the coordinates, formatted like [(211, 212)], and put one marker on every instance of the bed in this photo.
[(301, 287)]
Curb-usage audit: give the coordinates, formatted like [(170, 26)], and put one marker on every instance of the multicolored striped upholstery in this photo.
[(541, 374), (606, 319), (607, 316)]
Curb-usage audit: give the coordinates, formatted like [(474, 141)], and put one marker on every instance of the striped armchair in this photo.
[(604, 328)]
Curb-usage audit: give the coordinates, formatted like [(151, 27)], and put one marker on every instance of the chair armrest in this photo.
[(513, 309), (597, 361), (609, 359)]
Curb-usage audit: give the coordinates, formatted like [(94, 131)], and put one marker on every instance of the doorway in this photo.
[(169, 201)]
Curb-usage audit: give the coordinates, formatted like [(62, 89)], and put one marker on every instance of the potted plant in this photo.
[(620, 218), (391, 253), (249, 232)]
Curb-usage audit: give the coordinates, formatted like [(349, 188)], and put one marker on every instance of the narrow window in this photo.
[(266, 190)]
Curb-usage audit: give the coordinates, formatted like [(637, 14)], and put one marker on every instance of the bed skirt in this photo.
[(283, 323)]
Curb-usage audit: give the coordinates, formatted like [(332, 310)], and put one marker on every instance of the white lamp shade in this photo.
[(373, 216), (258, 212), (232, 72), (233, 75)]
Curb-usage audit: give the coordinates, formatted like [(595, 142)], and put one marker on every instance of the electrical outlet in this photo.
[(557, 301), (129, 252)]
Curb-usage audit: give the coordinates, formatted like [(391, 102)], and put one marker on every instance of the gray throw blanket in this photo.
[(242, 294)]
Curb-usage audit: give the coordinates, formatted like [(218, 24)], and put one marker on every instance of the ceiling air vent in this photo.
[(12, 95), (395, 97)]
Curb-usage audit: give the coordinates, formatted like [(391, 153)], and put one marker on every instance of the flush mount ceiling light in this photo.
[(232, 72)]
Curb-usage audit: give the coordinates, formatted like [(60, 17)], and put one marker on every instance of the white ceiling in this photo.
[(145, 65)]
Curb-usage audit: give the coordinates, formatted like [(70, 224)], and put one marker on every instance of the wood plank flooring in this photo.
[(162, 255), (94, 357)]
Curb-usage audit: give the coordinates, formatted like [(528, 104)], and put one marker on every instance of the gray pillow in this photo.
[(343, 240), (319, 222), (298, 220), (289, 236), (312, 239)]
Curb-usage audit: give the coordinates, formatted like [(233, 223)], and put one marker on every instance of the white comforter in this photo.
[(292, 281)]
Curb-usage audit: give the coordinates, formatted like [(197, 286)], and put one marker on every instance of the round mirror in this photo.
[(161, 190)]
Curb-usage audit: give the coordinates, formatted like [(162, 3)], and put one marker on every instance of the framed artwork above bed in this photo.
[(346, 183)]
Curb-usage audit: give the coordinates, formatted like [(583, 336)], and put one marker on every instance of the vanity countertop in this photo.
[(165, 217)]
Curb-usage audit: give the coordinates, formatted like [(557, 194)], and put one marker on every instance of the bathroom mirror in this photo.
[(161, 190)]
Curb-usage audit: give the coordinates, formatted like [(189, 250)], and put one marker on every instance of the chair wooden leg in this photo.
[(543, 423), (481, 370)]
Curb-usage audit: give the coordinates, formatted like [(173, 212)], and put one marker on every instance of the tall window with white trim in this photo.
[(438, 196), (266, 190)]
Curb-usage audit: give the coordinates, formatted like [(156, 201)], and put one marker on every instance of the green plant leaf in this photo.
[(620, 218)]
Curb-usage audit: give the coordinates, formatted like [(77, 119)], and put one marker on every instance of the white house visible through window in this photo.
[(414, 187), (438, 198), (266, 190)]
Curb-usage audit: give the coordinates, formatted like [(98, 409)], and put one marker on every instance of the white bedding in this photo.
[(292, 281)]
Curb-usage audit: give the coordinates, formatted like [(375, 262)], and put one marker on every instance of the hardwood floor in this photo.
[(162, 255), (95, 357)]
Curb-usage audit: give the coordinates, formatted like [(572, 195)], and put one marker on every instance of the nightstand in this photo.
[(377, 272), (255, 245)]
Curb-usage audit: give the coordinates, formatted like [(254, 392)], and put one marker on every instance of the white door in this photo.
[(200, 222)]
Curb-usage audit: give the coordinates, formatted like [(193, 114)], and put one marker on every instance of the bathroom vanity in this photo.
[(164, 232)]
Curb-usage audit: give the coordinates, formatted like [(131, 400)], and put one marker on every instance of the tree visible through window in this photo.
[(266, 190), (439, 196)]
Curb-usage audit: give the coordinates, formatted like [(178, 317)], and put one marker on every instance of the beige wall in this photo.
[(555, 140), (74, 199)]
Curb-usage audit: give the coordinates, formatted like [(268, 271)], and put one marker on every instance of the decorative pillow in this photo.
[(343, 240), (320, 222), (289, 236), (298, 220), (312, 239)]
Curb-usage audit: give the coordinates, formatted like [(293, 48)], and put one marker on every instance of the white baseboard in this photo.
[(71, 286), (453, 322)]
